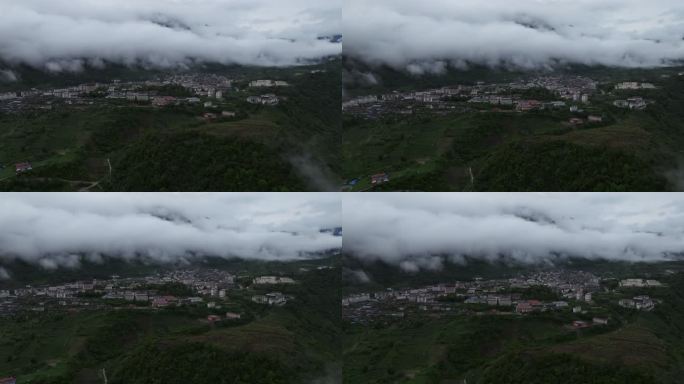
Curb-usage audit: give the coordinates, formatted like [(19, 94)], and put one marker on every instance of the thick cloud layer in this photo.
[(58, 229), (422, 230), (429, 36), (67, 34)]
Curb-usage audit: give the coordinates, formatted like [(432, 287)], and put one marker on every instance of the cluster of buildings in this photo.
[(640, 283), (92, 294), (199, 86), (268, 83), (267, 99), (458, 98), (207, 286), (580, 324), (265, 280), (501, 294), (574, 291), (229, 316), (571, 92), (633, 85), (380, 178), (640, 303), (23, 167), (276, 299), (636, 103), (273, 298)]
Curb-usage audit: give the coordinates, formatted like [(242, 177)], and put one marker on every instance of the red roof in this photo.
[(380, 177), (20, 167)]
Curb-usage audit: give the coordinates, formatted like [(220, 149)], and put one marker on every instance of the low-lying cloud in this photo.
[(422, 231), (66, 35), (53, 230), (428, 37)]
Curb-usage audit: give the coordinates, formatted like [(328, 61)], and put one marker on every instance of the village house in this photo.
[(267, 99), (523, 307), (632, 85), (8, 380), (576, 121), (233, 316), (213, 318), (639, 283), (621, 103), (595, 119), (262, 280), (273, 298), (23, 167), (268, 83), (163, 101), (599, 321), (164, 301), (209, 116), (380, 178), (528, 105), (641, 303), (637, 103)]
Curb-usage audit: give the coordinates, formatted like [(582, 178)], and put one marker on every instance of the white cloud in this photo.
[(66, 34), (423, 36), (419, 231), (55, 229), (8, 76)]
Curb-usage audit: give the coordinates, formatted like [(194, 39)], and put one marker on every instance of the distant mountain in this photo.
[(383, 78), (23, 273), (382, 274), (169, 22), (333, 39), (337, 231)]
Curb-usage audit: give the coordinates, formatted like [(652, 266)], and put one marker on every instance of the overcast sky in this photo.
[(58, 34), (428, 36), (419, 231), (49, 228)]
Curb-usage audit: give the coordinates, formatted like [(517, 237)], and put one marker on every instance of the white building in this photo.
[(272, 280), (268, 83)]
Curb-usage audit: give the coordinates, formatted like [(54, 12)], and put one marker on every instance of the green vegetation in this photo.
[(560, 369), (271, 345), (502, 150), (117, 145), (198, 363), (561, 166), (190, 161), (437, 348)]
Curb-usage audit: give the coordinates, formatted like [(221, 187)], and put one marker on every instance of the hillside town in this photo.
[(572, 291), (161, 91), (212, 97), (199, 287), (570, 93)]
